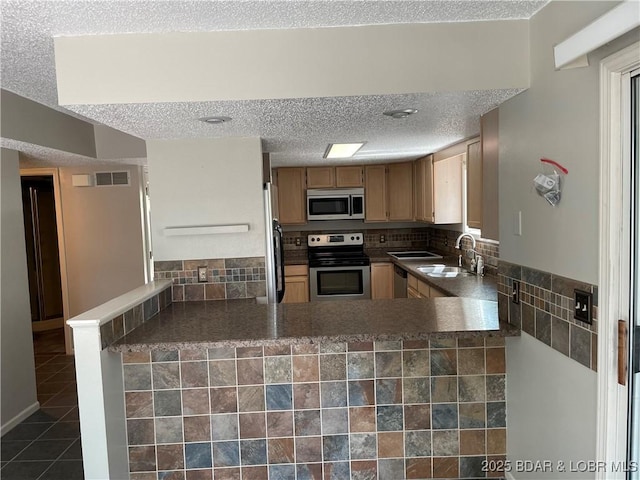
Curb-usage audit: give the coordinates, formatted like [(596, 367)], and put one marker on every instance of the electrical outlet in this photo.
[(582, 305), (515, 293), (382, 239), (446, 241), (202, 274), (298, 241)]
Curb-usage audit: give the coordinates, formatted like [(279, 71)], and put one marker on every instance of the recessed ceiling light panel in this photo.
[(400, 113), (215, 120), (342, 150)]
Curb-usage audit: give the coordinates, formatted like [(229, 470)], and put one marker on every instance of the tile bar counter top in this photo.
[(232, 323)]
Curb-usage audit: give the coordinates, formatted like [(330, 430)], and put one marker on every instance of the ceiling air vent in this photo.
[(104, 179)]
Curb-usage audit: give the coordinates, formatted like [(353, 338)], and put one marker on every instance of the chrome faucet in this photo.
[(477, 260), (473, 240)]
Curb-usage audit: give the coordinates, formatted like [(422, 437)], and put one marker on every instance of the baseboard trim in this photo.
[(31, 409)]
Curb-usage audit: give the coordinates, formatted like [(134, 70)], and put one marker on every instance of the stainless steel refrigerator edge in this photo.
[(274, 247)]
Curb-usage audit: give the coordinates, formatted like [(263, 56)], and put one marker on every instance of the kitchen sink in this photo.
[(442, 271), (449, 274), (415, 255)]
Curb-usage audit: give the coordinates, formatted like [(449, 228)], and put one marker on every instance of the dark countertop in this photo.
[(480, 288), (241, 323), (472, 286)]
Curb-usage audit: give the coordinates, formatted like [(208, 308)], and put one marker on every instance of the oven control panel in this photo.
[(335, 239)]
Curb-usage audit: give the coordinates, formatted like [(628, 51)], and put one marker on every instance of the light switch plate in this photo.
[(582, 305), (515, 294), (517, 224), (202, 274)]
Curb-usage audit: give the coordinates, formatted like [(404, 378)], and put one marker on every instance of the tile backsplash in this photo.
[(430, 238), (226, 278), (445, 240), (389, 410), (546, 311), (395, 238)]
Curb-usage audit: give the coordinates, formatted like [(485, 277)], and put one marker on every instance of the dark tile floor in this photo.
[(46, 446)]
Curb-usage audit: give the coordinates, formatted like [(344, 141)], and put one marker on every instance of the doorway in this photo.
[(45, 260), (633, 455), (43, 254), (617, 442)]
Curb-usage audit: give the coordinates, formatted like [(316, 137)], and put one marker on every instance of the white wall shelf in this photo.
[(206, 230)]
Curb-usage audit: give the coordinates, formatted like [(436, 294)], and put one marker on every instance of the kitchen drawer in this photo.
[(412, 282), (295, 270)]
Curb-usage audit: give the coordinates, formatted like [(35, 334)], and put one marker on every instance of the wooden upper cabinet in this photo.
[(474, 185), (291, 195), (330, 177), (349, 177), (400, 187), (321, 177), (429, 209), (489, 140), (418, 190), (423, 189), (375, 193), (447, 189), (389, 192)]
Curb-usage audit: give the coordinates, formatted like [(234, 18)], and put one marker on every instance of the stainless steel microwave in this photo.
[(335, 204)]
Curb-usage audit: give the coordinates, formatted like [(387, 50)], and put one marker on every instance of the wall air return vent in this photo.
[(104, 179)]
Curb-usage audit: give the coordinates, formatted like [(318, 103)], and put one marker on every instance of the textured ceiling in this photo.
[(296, 130)]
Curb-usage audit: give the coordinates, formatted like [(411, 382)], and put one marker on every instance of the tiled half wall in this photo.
[(546, 311), (389, 410), (119, 326), (226, 278)]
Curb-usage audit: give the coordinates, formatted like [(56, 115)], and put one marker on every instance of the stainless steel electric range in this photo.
[(338, 267)]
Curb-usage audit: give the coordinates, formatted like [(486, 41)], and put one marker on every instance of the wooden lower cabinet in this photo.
[(381, 280), (434, 292), (418, 289), (296, 280), (411, 293)]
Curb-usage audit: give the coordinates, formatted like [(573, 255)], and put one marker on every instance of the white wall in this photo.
[(103, 238), (556, 118), (551, 409), (195, 182), (18, 395)]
